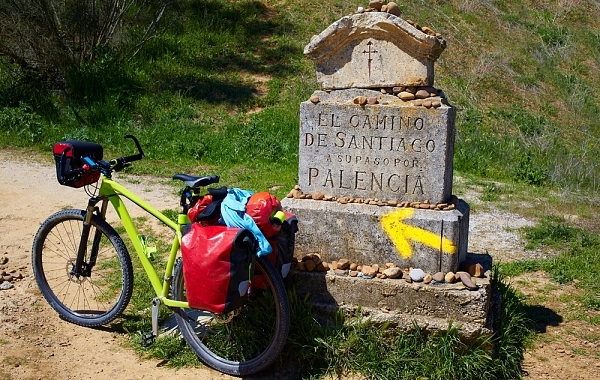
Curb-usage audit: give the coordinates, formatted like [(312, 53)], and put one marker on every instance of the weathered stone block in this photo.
[(427, 239), (374, 49), (432, 306), (393, 150)]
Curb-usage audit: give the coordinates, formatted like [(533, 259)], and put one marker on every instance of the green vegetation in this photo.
[(219, 91), (14, 361), (577, 263), (357, 345)]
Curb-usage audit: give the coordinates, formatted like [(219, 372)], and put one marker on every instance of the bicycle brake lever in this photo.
[(118, 165)]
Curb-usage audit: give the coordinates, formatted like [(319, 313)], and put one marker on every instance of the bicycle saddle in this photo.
[(195, 181)]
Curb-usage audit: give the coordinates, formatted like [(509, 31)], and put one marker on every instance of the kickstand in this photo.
[(147, 339)]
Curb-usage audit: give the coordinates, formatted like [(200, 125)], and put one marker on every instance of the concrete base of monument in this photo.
[(367, 234), (433, 307)]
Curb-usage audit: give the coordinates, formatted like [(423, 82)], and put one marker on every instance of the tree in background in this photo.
[(59, 39)]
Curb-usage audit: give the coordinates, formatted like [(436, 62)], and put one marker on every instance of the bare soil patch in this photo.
[(36, 344), (567, 347)]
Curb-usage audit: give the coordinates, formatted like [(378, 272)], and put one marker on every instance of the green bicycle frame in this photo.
[(113, 191)]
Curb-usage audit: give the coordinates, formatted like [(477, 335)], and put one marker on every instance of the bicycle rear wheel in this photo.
[(246, 340), (96, 297)]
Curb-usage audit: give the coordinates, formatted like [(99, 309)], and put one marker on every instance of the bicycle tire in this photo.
[(88, 301), (254, 338)]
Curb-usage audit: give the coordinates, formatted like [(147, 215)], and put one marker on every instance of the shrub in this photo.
[(530, 172)]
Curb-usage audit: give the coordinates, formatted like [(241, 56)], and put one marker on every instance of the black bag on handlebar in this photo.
[(73, 150)]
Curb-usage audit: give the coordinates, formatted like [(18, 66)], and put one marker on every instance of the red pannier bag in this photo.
[(74, 150), (283, 250), (218, 263)]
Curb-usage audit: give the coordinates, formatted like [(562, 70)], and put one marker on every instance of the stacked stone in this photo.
[(343, 267), (392, 8), (381, 6), (426, 96), (7, 278), (311, 263), (297, 193)]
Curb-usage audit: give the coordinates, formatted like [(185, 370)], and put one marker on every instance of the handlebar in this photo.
[(106, 168), (119, 164)]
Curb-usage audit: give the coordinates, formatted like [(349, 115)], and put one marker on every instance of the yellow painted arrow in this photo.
[(401, 233)]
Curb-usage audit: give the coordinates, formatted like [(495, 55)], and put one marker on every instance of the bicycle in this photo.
[(84, 270)]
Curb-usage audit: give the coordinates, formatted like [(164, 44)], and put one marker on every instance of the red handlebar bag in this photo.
[(218, 263), (74, 150)]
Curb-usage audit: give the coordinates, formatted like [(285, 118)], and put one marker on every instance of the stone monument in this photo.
[(376, 153), (378, 135)]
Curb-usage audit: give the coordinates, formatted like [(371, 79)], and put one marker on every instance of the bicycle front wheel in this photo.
[(246, 340), (95, 297)]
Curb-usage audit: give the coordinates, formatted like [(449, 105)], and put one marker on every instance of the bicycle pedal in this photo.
[(148, 339)]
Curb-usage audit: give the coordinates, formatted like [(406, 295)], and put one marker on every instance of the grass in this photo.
[(210, 77), (354, 345), (577, 263), (372, 351), (219, 92), (14, 361), (571, 297)]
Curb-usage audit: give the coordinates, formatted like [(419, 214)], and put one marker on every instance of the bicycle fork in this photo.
[(81, 268)]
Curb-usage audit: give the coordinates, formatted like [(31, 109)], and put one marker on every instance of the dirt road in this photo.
[(36, 344)]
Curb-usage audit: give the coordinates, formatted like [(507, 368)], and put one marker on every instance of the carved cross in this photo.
[(369, 60)]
